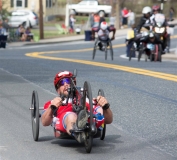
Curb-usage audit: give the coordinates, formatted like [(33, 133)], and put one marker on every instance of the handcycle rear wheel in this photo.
[(89, 135), (132, 50), (35, 115), (159, 57), (103, 132), (106, 52), (111, 50)]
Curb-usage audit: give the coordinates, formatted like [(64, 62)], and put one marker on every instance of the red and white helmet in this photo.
[(156, 8), (59, 76), (104, 25)]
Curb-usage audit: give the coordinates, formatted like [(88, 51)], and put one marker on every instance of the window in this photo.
[(19, 3), (49, 3)]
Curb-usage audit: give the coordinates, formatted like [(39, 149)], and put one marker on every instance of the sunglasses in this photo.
[(64, 80)]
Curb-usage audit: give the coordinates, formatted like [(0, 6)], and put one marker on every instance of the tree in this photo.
[(3, 10), (117, 4)]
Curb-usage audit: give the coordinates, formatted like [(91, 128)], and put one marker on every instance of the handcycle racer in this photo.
[(64, 118), (103, 34)]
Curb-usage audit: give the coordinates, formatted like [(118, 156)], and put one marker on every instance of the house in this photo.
[(51, 8)]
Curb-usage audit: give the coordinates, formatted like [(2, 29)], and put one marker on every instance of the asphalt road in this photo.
[(144, 107)]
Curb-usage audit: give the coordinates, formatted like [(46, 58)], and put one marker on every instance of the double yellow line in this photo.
[(160, 75)]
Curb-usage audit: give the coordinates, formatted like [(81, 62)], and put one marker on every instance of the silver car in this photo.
[(27, 18)]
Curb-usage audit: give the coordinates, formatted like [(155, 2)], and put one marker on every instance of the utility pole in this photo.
[(162, 4), (117, 14), (162, 1), (112, 11), (41, 27)]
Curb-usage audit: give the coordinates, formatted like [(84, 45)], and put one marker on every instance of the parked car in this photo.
[(89, 6), (27, 18)]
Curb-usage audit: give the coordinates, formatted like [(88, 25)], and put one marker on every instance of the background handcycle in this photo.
[(79, 96)]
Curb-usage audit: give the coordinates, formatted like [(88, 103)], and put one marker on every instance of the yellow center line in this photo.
[(160, 75)]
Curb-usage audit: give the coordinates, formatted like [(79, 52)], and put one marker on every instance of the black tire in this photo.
[(111, 50), (73, 12), (103, 132), (130, 55), (94, 49), (106, 52), (159, 57), (87, 93), (132, 50), (139, 55), (35, 115), (146, 57), (151, 57), (101, 13)]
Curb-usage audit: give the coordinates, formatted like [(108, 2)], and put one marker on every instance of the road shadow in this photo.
[(109, 143)]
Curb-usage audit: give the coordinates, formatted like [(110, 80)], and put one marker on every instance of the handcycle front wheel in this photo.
[(87, 94), (103, 132), (35, 115), (94, 49)]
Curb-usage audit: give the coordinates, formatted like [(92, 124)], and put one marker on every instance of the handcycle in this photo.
[(79, 96), (105, 44), (150, 48)]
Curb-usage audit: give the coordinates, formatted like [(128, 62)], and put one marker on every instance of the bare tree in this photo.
[(118, 5)]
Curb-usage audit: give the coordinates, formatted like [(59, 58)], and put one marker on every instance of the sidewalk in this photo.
[(121, 32)]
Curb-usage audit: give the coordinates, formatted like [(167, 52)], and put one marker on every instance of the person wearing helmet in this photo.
[(103, 34), (156, 10), (95, 24), (64, 118), (96, 28), (145, 19)]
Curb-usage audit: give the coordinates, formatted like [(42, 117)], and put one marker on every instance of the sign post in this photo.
[(162, 3)]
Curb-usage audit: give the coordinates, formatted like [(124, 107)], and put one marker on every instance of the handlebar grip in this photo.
[(62, 97)]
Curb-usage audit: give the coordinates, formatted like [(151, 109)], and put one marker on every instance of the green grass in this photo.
[(47, 34), (79, 20), (52, 34)]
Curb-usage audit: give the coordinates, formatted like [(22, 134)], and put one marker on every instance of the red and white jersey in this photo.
[(63, 111), (69, 108)]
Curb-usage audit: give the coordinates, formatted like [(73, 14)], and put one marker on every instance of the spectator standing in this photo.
[(91, 19), (171, 13), (3, 37), (96, 20), (2, 29), (95, 27), (131, 18), (130, 40), (72, 20), (124, 18), (6, 25)]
